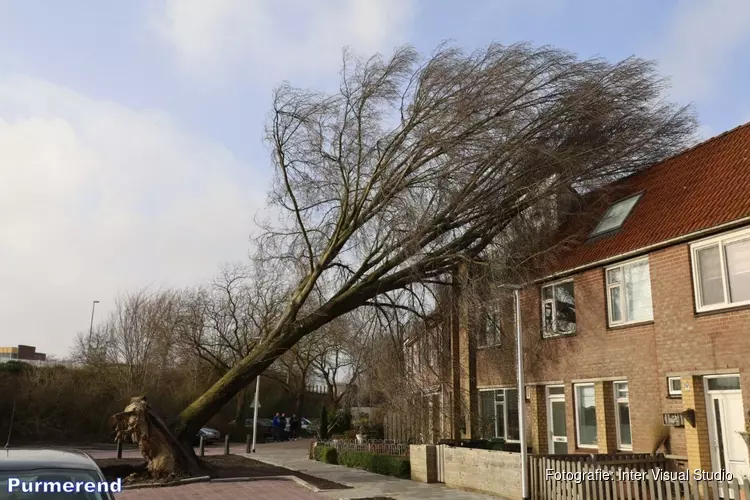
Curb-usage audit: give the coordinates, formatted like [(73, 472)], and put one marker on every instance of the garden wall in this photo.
[(487, 471)]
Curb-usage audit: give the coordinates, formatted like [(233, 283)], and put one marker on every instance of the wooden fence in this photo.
[(402, 429), (625, 477)]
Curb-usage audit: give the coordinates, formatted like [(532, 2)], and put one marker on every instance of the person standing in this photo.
[(278, 427), (294, 427)]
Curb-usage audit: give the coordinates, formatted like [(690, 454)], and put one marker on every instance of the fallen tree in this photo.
[(166, 457), (416, 165)]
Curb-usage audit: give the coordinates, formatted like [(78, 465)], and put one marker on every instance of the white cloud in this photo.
[(275, 39), (700, 45), (96, 198)]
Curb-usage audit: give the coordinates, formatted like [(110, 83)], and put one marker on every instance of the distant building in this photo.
[(21, 352)]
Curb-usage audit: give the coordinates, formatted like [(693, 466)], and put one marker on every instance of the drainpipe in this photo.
[(521, 399)]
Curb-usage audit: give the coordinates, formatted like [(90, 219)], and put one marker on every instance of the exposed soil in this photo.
[(133, 470)]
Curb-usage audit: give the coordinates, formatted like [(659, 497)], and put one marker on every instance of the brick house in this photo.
[(643, 317)]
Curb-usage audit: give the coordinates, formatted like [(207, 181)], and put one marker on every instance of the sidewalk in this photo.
[(365, 484)]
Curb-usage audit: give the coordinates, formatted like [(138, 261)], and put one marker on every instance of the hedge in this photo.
[(386, 465), (326, 454)]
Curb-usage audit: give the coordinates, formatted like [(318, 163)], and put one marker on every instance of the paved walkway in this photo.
[(365, 484), (257, 490)]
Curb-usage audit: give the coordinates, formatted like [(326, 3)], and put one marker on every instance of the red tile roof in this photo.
[(705, 186)]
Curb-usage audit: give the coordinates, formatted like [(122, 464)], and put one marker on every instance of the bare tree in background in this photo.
[(136, 341), (294, 369), (224, 321), (341, 359), (416, 165)]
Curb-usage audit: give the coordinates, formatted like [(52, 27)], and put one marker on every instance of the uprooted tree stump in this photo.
[(166, 456)]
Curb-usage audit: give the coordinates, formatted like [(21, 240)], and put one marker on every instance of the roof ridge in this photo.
[(704, 143), (725, 192), (685, 151)]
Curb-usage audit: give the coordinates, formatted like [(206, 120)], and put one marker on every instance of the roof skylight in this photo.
[(616, 215)]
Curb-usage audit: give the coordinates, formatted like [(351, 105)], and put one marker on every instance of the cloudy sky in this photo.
[(130, 131)]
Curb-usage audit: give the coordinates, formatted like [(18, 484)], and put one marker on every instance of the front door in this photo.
[(558, 435), (726, 420)]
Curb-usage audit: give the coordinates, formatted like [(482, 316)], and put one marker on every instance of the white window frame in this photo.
[(672, 392), (621, 285), (505, 411), (548, 334), (618, 401), (594, 446), (722, 241)]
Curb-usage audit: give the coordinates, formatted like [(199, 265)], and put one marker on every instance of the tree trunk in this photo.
[(282, 338), (166, 456), (300, 403), (240, 414), (207, 405)]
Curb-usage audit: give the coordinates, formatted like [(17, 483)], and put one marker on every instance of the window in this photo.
[(585, 416), (721, 271), (556, 390), (430, 348), (674, 384), (558, 309), (490, 332), (499, 413), (629, 293), (615, 215), (413, 358), (729, 383), (622, 416)]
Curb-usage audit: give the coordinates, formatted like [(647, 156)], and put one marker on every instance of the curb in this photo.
[(207, 479), (179, 482), (295, 479)]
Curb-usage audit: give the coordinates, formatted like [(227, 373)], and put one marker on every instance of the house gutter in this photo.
[(655, 246)]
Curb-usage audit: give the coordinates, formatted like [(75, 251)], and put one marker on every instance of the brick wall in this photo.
[(678, 341), (606, 431), (537, 417), (696, 436)]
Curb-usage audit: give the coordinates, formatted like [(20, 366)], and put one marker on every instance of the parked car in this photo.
[(265, 428), (310, 426), (210, 436), (56, 466)]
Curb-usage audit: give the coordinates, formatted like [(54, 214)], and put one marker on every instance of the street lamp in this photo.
[(521, 393), (255, 412), (91, 327), (521, 398)]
